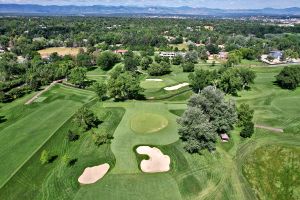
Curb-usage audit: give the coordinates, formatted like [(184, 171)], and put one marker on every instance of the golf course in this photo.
[(265, 166)]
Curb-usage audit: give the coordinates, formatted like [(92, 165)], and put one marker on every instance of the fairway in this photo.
[(147, 123), (39, 124)]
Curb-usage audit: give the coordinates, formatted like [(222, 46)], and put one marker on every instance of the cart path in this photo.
[(44, 90), (279, 130)]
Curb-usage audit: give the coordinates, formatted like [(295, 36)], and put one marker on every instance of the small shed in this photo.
[(224, 137)]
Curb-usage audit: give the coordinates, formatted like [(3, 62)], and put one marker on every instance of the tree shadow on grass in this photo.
[(2, 119), (52, 158), (72, 162)]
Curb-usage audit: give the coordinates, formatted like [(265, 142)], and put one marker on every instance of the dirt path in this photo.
[(41, 92), (279, 130)]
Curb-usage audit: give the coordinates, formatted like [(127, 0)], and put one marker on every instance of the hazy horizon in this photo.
[(221, 4)]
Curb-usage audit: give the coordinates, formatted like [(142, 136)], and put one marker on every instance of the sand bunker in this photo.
[(153, 79), (176, 87), (158, 162), (93, 174)]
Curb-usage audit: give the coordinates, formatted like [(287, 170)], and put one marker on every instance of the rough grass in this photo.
[(274, 172)]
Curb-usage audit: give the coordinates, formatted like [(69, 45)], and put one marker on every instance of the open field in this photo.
[(232, 172), (62, 51)]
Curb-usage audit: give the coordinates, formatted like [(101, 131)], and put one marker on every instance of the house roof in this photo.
[(121, 51)]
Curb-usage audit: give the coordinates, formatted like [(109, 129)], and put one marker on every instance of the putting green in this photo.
[(144, 123)]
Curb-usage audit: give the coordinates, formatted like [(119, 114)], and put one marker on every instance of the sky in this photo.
[(227, 4)]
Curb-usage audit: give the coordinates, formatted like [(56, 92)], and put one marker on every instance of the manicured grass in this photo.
[(145, 123), (57, 180), (39, 123)]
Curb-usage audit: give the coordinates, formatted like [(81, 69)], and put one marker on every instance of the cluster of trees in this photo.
[(230, 80), (207, 116), (289, 77), (121, 85)]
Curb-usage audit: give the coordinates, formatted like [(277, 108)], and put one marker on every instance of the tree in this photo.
[(208, 115), (177, 60), (146, 62), (100, 90), (84, 60), (131, 62), (213, 49), (230, 82), (191, 56), (86, 119), (247, 77), (124, 85), (159, 69), (234, 58), (107, 60), (157, 58), (248, 130), (100, 139), (188, 67), (220, 113), (44, 158), (200, 79), (196, 131), (78, 76), (245, 114), (289, 77)]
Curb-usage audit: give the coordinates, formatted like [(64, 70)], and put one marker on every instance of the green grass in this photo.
[(274, 172), (56, 180), (239, 169), (145, 123), (39, 122)]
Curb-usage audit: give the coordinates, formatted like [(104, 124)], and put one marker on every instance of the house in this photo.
[(223, 55), (224, 137), (121, 51), (276, 54), (171, 54)]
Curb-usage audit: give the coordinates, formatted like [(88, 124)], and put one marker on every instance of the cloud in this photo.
[(193, 3)]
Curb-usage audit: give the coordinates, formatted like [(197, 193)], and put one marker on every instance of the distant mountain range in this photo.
[(30, 9)]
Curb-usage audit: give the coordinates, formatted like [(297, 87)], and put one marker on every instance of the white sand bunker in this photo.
[(158, 162), (93, 174), (176, 87), (154, 79)]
